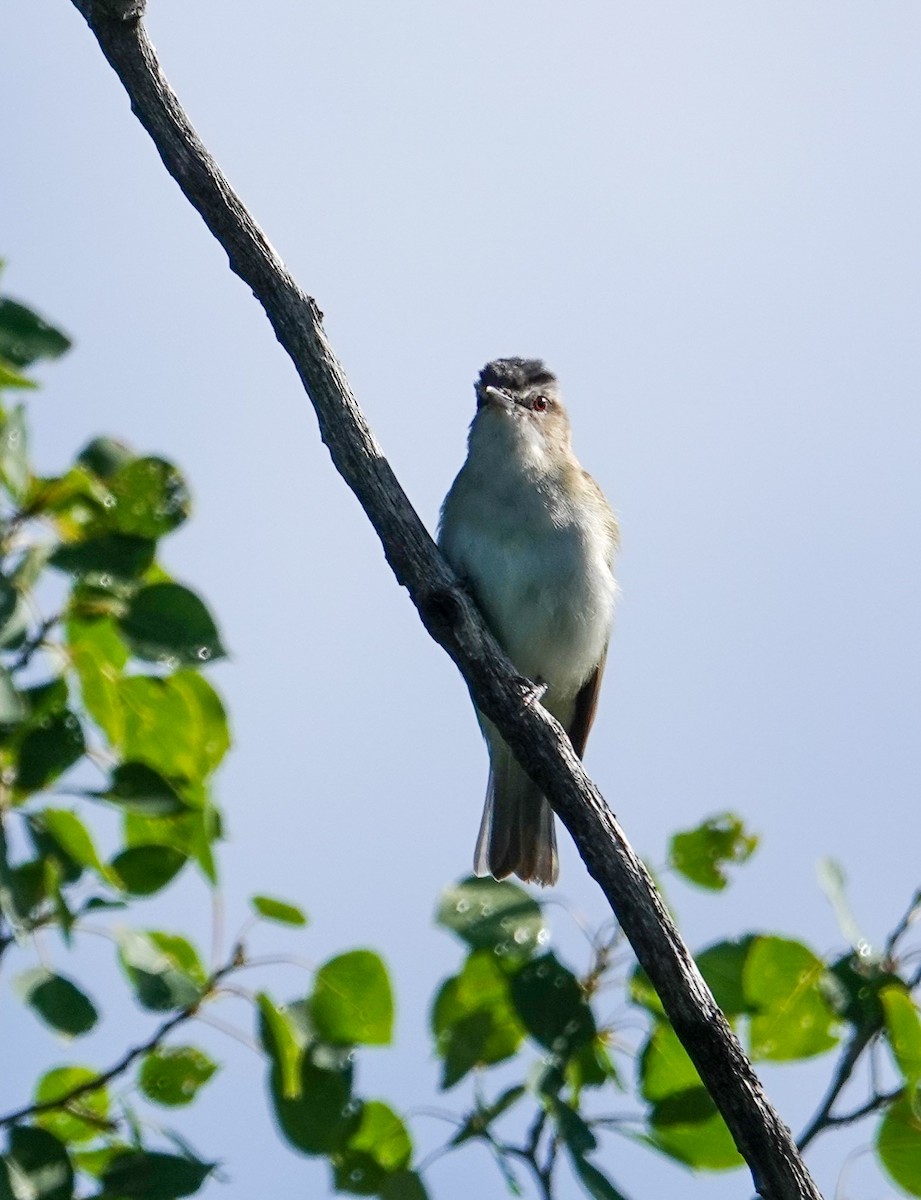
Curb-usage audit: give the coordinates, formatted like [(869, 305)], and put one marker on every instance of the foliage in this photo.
[(107, 723)]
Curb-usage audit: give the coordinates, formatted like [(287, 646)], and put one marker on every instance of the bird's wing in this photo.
[(585, 708)]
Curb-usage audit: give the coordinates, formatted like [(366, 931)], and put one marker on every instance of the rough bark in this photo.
[(450, 616)]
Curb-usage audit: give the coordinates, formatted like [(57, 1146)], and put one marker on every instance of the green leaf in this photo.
[(151, 497), (105, 456), (26, 337), (177, 724), (702, 854), (139, 788), (58, 1001), (164, 969), (173, 1075), (898, 1144), (783, 983), (121, 555), (664, 1066), (278, 910), (149, 1175), (14, 461), (11, 378), (99, 655), (191, 833), (572, 1128), (688, 1127), (9, 598), (853, 988), (473, 1020), (322, 1118), (84, 1117), (552, 1006), (489, 915), (903, 1027), (48, 750), (144, 870), (167, 623), (68, 832), (379, 1147), (38, 1166), (642, 992), (280, 1038), (591, 1067), (352, 1003), (403, 1185), (596, 1185), (723, 967), (12, 705)]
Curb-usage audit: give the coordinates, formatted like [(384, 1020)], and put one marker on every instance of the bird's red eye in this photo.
[(540, 403)]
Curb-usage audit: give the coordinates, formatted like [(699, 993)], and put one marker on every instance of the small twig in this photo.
[(877, 1100), (130, 1056), (823, 1119), (34, 642), (901, 928)]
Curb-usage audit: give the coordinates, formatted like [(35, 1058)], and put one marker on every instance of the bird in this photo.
[(533, 538)]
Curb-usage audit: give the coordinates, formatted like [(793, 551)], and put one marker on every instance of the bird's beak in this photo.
[(501, 399)]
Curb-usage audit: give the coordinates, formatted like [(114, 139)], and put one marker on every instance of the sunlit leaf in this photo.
[(278, 910), (151, 497), (176, 724), (14, 461), (172, 1075), (282, 1043), (903, 1027), (352, 1002), (380, 1146), (898, 1144), (701, 855), (164, 969), (489, 915), (783, 984), (84, 1117), (473, 1019), (688, 1127)]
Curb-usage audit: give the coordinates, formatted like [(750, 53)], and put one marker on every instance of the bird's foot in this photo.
[(536, 692)]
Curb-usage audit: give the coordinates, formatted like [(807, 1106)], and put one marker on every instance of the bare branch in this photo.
[(449, 614), (849, 1059), (127, 1059)]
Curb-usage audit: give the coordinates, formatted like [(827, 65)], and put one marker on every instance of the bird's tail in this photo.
[(516, 834)]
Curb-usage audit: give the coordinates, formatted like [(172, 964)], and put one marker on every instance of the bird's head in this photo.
[(520, 397)]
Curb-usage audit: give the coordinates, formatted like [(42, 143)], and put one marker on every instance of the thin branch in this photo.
[(127, 1059), (449, 614), (823, 1119), (35, 642), (877, 1101), (909, 916)]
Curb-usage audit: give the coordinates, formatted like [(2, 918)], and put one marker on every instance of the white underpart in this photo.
[(540, 570)]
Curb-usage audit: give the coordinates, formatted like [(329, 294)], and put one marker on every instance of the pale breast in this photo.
[(543, 579)]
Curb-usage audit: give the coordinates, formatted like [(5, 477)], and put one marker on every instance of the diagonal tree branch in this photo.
[(450, 616), (131, 1055)]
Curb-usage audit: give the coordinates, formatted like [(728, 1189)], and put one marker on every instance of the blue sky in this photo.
[(706, 219)]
